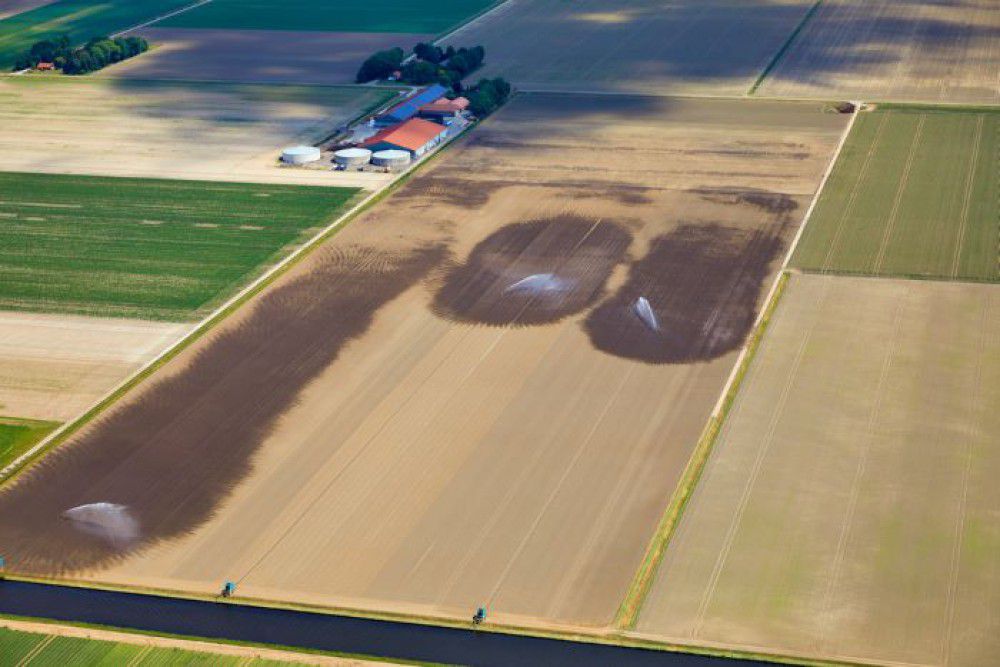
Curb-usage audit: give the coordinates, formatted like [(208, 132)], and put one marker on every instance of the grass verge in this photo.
[(18, 435), (628, 612)]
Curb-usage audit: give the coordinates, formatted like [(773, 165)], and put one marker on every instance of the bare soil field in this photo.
[(908, 50), (635, 46), (849, 508), (199, 131), (52, 367), (435, 410), (257, 56)]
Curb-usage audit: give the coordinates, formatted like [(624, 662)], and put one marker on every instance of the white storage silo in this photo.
[(391, 158), (352, 157), (300, 154)]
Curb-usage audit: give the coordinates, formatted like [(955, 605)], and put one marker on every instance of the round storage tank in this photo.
[(300, 154), (352, 157), (391, 158)]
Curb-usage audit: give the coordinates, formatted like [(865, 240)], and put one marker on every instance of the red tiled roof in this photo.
[(444, 104), (411, 135)]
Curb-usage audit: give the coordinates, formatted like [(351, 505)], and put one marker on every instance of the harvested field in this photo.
[(79, 19), (635, 46), (916, 192), (257, 56), (913, 50), (849, 509), (383, 429), (160, 129), (154, 249), (399, 16), (52, 367)]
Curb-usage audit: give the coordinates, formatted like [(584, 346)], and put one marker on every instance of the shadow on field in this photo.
[(702, 283), (170, 455), (533, 272)]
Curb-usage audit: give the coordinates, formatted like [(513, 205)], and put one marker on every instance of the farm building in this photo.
[(415, 136), (444, 108), (409, 107)]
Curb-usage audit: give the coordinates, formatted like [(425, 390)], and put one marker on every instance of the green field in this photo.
[(25, 648), (154, 249), (80, 19), (914, 194), (403, 16), (17, 435)]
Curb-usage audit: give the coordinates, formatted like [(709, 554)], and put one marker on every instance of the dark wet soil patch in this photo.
[(777, 203), (175, 452), (533, 272), (701, 282)]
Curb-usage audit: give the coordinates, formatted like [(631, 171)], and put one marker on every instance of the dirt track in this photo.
[(373, 432)]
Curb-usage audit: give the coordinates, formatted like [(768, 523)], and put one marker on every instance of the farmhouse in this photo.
[(415, 136), (444, 108), (409, 107)]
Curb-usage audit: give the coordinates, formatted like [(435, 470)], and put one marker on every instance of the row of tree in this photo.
[(430, 64), (92, 56), (487, 96)]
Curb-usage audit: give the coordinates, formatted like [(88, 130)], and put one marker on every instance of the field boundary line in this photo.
[(783, 49), (628, 611), (168, 15), (475, 18), (201, 327)]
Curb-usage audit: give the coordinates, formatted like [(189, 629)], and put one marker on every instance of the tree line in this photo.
[(487, 96), (430, 64), (96, 54)]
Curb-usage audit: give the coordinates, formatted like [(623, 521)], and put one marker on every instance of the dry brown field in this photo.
[(257, 56), (53, 367), (13, 7), (849, 508), (162, 129), (403, 423), (914, 50), (635, 46)]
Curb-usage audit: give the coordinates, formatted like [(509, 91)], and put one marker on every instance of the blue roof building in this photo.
[(409, 107)]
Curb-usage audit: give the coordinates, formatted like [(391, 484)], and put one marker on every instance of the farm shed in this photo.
[(444, 108), (415, 136), (409, 107)]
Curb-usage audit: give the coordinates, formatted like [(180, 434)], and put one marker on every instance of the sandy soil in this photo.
[(204, 131), (849, 510), (53, 367), (12, 7), (397, 424), (636, 46), (895, 50), (257, 56), (249, 652)]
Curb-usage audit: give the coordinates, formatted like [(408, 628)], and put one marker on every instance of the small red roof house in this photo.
[(45, 67), (415, 135), (443, 107)]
